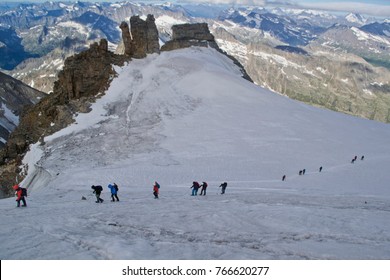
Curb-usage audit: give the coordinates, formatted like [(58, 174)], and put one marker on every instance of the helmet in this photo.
[(15, 187)]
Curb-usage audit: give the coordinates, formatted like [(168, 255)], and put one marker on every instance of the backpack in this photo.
[(24, 191), (116, 187)]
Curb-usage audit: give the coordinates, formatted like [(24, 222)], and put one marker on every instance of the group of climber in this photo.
[(21, 193), (303, 171), (196, 186), (97, 190)]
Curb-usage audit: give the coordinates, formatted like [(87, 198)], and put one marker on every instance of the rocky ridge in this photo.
[(142, 39), (187, 35), (85, 76), (324, 75)]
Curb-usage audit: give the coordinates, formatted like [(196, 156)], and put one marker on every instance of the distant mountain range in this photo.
[(36, 39)]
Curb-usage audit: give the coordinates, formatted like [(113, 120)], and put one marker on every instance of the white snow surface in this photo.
[(188, 115)]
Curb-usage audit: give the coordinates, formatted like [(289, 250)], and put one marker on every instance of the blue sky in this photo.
[(372, 7)]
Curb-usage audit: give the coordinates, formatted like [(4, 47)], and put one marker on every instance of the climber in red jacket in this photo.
[(20, 195)]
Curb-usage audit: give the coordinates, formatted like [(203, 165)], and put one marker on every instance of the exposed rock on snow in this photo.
[(158, 122), (187, 35), (143, 38), (84, 76)]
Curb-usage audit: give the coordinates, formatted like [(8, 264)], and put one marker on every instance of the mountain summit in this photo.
[(356, 18)]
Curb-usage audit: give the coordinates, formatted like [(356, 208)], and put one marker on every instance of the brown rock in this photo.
[(187, 35), (83, 78), (153, 44), (86, 74), (195, 31), (145, 36), (126, 38)]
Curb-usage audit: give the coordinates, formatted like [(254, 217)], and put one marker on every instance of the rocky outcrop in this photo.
[(87, 73), (126, 38), (195, 31), (83, 78), (187, 35), (143, 38), (152, 42)]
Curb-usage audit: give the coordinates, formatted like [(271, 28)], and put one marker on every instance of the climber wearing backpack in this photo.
[(223, 185), (20, 193), (97, 190), (156, 188), (204, 187), (114, 191), (195, 187)]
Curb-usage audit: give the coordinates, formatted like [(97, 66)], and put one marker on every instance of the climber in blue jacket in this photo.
[(114, 191)]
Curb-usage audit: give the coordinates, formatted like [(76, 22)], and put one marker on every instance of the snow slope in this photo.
[(187, 115)]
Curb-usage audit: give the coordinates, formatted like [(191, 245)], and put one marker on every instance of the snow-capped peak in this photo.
[(356, 18)]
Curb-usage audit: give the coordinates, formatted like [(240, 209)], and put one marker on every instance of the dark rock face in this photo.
[(153, 44), (139, 31), (196, 31), (187, 35), (126, 38), (85, 74), (145, 37)]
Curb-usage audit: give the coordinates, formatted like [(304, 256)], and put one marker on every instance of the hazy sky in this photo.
[(373, 7)]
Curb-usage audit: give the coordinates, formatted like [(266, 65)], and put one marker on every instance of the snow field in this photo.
[(188, 115)]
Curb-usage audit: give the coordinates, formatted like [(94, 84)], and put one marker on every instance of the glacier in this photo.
[(188, 115)]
